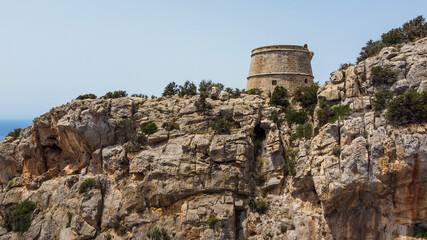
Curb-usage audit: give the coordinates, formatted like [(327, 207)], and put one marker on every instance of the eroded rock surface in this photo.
[(358, 178)]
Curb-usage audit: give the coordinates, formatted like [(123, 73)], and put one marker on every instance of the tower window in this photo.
[(305, 81), (274, 82)]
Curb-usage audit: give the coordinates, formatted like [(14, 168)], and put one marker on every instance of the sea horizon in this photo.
[(8, 125)]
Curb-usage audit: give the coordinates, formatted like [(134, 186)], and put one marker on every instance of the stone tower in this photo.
[(280, 65)]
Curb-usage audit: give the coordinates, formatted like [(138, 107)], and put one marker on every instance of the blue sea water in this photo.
[(8, 125)]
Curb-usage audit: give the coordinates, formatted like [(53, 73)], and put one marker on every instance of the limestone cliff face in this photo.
[(200, 185)]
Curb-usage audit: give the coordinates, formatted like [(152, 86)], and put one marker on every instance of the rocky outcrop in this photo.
[(358, 178)]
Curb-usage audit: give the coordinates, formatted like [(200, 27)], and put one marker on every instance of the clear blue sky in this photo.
[(53, 51)]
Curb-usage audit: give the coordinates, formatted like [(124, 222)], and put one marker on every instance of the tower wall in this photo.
[(280, 65)]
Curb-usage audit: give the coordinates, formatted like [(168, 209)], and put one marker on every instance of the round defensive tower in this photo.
[(280, 65)]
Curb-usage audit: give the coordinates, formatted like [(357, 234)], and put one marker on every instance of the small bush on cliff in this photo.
[(410, 31), (234, 93), (158, 234), (206, 86), (303, 131), (115, 94), (381, 99), (87, 185), (323, 113), (69, 216), (279, 97), (408, 108), (254, 91), (18, 219), (339, 112), (259, 205), (139, 95), (188, 89), (344, 66), (87, 96), (307, 97), (298, 117), (172, 125), (149, 129), (15, 133), (212, 220), (222, 126), (170, 89), (382, 75)]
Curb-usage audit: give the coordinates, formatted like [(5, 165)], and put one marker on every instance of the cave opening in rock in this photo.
[(259, 133), (259, 137)]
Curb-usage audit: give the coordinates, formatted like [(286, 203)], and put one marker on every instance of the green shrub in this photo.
[(371, 49), (121, 231), (382, 75), (222, 126), (108, 236), (15, 133), (408, 108), (10, 185), (381, 99), (254, 91), (158, 234), (212, 220), (344, 66), (234, 93), (115, 94), (87, 185), (339, 111), (422, 234), (87, 96), (275, 118), (394, 36), (289, 156), (410, 31), (172, 125), (70, 216), (279, 97), (201, 103), (298, 117), (305, 131), (206, 86), (414, 29), (259, 205), (149, 129), (323, 113), (139, 95), (18, 219), (188, 89), (170, 90), (307, 97)]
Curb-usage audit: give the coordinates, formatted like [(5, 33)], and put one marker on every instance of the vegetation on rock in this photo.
[(149, 129), (15, 133), (87, 96), (170, 89), (221, 126), (279, 97), (259, 205), (408, 108), (307, 97), (87, 185), (254, 91), (410, 31), (382, 75), (298, 117), (18, 219), (115, 94), (158, 234), (381, 99)]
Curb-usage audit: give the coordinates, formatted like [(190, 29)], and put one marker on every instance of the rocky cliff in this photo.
[(358, 178)]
